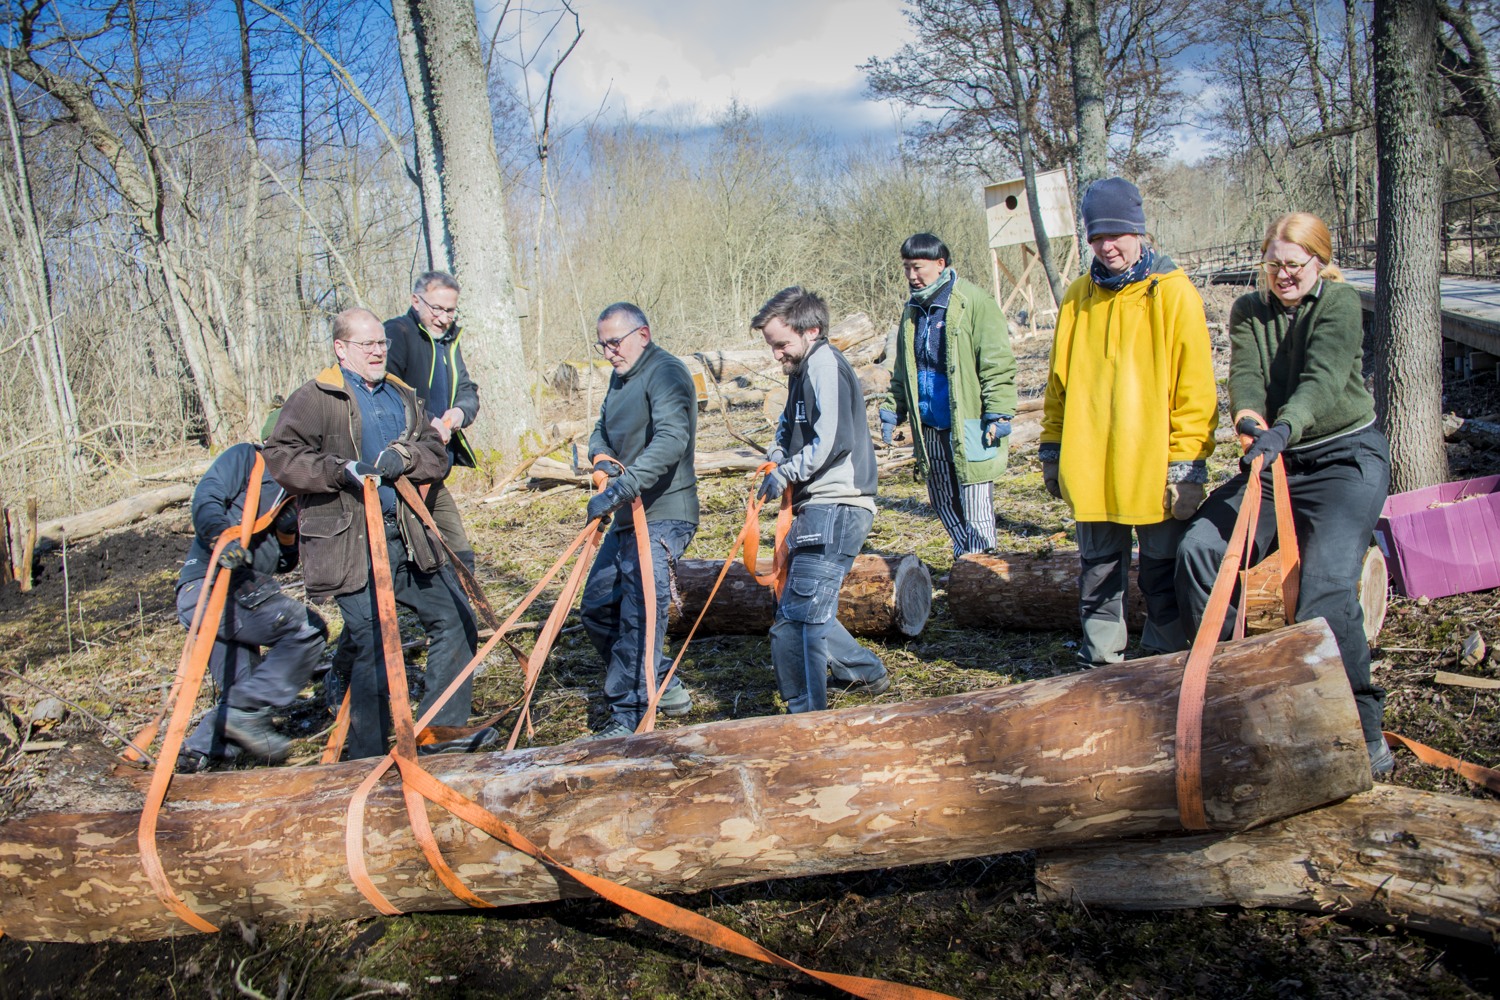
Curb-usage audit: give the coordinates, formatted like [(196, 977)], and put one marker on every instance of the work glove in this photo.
[(234, 556), (888, 421), (391, 463), (1182, 500), (1269, 441), (776, 455), (996, 426), (358, 472), (617, 494), (609, 467), (1049, 479), (772, 486)]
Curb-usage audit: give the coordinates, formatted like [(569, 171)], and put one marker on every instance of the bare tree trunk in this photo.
[(429, 149), (250, 338), (474, 206), (1092, 152), (1028, 162), (1408, 338), (1472, 78)]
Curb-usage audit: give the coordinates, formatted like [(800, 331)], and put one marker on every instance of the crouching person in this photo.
[(350, 424), (252, 684), (823, 454)]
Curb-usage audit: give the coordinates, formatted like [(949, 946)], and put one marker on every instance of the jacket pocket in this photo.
[(974, 447), (812, 591), (325, 548)]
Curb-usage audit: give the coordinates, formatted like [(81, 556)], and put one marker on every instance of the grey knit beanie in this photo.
[(1112, 206)]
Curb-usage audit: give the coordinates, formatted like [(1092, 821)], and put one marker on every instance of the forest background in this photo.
[(192, 188)]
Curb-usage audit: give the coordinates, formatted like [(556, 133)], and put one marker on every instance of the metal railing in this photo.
[(1469, 245)]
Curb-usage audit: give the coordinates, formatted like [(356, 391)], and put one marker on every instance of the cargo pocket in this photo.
[(812, 591), (255, 590), (322, 565), (811, 527)]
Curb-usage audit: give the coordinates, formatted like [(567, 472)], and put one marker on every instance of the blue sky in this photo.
[(681, 63)]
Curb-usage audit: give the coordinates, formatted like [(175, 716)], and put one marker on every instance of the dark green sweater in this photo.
[(1301, 366), (649, 422)]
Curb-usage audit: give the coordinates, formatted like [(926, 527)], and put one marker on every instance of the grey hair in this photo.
[(629, 310), (441, 279)]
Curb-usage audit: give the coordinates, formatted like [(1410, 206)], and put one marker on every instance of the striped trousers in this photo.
[(967, 510)]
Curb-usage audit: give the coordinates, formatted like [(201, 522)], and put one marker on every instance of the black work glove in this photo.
[(772, 486), (390, 463), (234, 556), (1269, 441), (617, 494), (358, 472), (609, 467), (996, 426)]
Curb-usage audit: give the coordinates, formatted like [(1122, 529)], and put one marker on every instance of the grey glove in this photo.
[(1269, 441), (234, 556), (390, 463), (996, 426), (1184, 499), (772, 486), (776, 455), (1049, 479), (358, 472), (888, 421)]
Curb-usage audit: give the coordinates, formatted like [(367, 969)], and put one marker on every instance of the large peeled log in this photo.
[(1039, 590), (881, 595), (1065, 761), (1391, 855)]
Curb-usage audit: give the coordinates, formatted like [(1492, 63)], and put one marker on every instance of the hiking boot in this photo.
[(473, 743), (1381, 761), (675, 701), (192, 762), (879, 685), (252, 730), (612, 729)]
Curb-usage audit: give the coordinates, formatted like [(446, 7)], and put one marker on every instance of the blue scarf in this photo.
[(1114, 282)]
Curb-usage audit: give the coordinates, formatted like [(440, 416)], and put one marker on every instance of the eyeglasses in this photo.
[(369, 346), (440, 310), (606, 347), (1292, 268)]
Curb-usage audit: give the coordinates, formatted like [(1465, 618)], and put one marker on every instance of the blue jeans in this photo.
[(614, 611), (452, 639), (254, 617), (807, 637)]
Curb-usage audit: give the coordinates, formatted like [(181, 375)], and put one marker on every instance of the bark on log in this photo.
[(1391, 855), (116, 515), (1040, 591), (881, 595), (1052, 763)]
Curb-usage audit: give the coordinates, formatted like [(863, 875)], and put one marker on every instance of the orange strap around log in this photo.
[(1190, 698), (191, 667)]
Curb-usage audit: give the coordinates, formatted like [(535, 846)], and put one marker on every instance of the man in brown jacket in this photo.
[(352, 423)]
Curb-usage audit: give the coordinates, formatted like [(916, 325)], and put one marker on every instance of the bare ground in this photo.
[(972, 928)]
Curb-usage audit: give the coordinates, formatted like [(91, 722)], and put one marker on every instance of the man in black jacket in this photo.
[(647, 425), (425, 354), (252, 685)]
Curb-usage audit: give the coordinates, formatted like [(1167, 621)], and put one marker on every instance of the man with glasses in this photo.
[(350, 424), (425, 354), (1128, 421), (643, 441)]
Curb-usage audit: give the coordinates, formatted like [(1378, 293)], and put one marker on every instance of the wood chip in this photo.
[(1464, 680)]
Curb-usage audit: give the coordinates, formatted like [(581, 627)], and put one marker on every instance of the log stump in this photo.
[(882, 595), (1024, 591)]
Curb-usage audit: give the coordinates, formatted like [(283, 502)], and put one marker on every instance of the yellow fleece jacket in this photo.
[(1130, 390)]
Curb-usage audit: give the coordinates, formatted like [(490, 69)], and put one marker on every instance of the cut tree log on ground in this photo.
[(881, 595), (1026, 590), (1055, 763), (117, 515), (1423, 860)]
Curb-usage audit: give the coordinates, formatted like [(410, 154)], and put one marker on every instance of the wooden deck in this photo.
[(1471, 308)]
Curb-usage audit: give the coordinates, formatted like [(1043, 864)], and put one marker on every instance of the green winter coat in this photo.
[(981, 379)]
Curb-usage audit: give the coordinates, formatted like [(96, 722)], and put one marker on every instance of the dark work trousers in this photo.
[(614, 611), (444, 511), (247, 678), (807, 637), (451, 641), (1338, 488), (1103, 574)]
